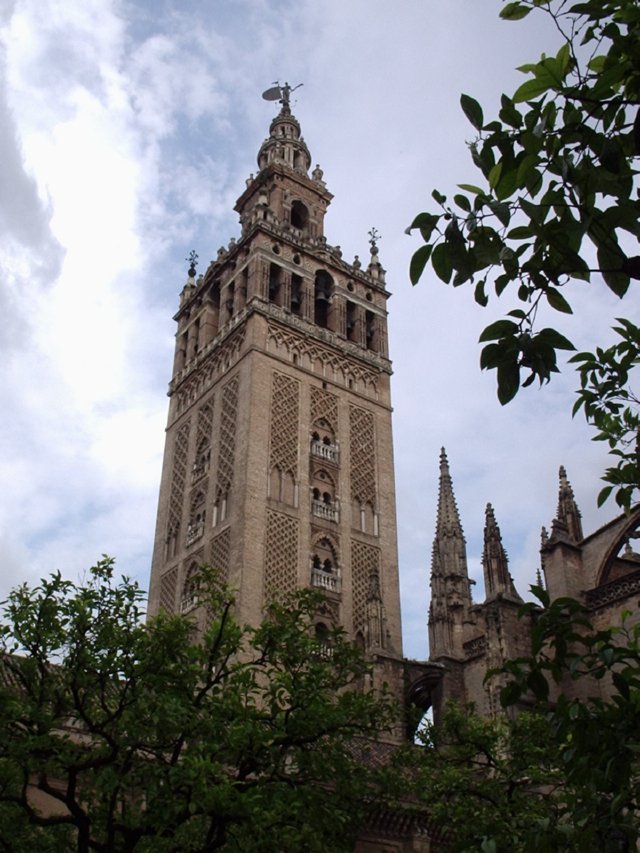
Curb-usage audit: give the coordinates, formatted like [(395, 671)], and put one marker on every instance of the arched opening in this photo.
[(325, 572), (296, 295), (299, 213), (323, 292), (323, 640), (275, 284), (190, 589)]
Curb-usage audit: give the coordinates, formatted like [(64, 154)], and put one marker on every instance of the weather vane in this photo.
[(193, 263), (374, 236), (280, 93)]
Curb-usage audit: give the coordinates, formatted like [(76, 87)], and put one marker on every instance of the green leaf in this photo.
[(471, 188), (499, 329), (508, 380), (441, 262), (557, 301), (555, 339), (418, 263), (531, 89), (472, 110), (463, 202), (514, 12)]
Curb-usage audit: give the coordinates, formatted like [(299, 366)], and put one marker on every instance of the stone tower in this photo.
[(278, 466)]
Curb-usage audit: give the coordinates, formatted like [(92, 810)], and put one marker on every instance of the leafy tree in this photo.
[(160, 736), (562, 774), (556, 202), (587, 682)]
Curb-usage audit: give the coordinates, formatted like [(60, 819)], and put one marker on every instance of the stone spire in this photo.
[(567, 524), (450, 596), (448, 520), (497, 579)]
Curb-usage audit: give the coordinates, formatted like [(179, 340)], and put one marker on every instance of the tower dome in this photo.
[(285, 144)]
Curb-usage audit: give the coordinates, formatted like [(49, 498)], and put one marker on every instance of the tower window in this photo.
[(352, 321), (274, 284), (299, 215), (296, 295), (323, 291), (371, 330), (324, 566)]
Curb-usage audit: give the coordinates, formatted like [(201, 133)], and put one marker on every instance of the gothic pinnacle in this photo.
[(568, 515), (448, 519), (497, 579)]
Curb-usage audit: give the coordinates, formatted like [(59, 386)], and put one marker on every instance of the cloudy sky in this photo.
[(127, 129)]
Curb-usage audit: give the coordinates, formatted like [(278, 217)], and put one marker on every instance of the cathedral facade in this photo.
[(467, 639)]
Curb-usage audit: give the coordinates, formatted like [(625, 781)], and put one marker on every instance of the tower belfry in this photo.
[(278, 466)]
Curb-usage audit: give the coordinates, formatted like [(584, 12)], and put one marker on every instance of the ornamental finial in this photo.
[(193, 263)]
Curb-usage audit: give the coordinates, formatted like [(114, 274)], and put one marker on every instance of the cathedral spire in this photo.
[(497, 579), (568, 521), (450, 595), (448, 520)]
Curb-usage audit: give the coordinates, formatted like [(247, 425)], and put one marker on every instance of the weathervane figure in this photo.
[(374, 236), (280, 93)]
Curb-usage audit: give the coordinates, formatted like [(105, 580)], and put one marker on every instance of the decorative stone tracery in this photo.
[(281, 555), (228, 418), (285, 425), (168, 583), (220, 552), (363, 456), (203, 440), (324, 406), (364, 560), (178, 478)]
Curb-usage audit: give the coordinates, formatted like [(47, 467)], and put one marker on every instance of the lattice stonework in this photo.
[(324, 406), (363, 456), (176, 496), (220, 550), (168, 583), (205, 426), (364, 559), (281, 555), (228, 419), (285, 419)]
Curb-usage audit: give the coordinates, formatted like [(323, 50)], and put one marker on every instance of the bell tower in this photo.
[(278, 466)]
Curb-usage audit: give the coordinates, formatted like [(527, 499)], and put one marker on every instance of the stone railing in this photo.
[(194, 532), (325, 511), (325, 451), (325, 580)]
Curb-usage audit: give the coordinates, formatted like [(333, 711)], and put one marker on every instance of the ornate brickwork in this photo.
[(216, 363), (227, 456), (324, 405), (168, 584), (205, 424), (363, 456), (364, 559), (220, 550), (323, 360), (285, 420), (615, 591), (281, 555), (176, 497)]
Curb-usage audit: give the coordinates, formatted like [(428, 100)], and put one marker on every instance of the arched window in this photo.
[(325, 572), (190, 589), (323, 639), (323, 292), (299, 215)]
